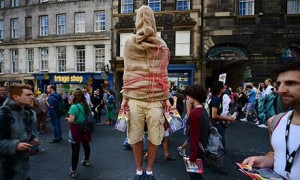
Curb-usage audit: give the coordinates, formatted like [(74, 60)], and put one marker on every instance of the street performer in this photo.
[(146, 90)]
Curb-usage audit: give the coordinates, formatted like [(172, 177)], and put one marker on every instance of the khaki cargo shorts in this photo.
[(141, 112)]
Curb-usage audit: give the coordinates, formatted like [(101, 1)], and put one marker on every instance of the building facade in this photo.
[(61, 42), (248, 39), (178, 23)]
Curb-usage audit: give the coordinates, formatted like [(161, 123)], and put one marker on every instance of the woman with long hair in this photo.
[(77, 114)]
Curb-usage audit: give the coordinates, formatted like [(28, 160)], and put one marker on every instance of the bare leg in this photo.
[(152, 149), (166, 146), (184, 145), (138, 155)]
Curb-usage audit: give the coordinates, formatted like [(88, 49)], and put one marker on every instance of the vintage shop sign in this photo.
[(68, 79)]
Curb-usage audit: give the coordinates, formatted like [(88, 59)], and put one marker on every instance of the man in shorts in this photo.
[(146, 90)]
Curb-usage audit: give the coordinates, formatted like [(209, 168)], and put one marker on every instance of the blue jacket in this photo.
[(53, 101)]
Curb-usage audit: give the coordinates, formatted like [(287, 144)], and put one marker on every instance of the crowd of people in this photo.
[(147, 97)]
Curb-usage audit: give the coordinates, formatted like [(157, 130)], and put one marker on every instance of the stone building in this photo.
[(178, 23), (248, 39), (62, 42)]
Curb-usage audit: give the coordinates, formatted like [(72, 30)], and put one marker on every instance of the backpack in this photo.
[(207, 105), (276, 121), (214, 150), (62, 107)]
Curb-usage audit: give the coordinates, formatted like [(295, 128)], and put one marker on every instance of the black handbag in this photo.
[(88, 124)]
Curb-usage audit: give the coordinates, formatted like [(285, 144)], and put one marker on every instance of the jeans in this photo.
[(55, 121)]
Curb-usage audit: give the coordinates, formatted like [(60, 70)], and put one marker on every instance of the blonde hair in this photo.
[(43, 95)]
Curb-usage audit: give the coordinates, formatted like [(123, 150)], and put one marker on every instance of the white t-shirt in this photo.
[(225, 103), (267, 91), (279, 146)]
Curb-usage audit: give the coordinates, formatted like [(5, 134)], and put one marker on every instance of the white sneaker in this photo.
[(234, 115), (244, 119), (262, 126), (257, 123)]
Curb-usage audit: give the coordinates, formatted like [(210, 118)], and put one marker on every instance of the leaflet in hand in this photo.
[(196, 168), (257, 173), (122, 119), (174, 120)]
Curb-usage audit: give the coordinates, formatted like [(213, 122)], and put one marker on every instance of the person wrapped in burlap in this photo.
[(146, 89)]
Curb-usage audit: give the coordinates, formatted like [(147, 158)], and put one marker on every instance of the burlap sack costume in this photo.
[(146, 57)]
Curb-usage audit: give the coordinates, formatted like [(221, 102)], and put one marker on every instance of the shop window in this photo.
[(99, 21), (15, 28), (155, 5), (44, 61), (44, 26), (183, 4), (99, 58), (246, 7), (30, 59), (80, 58), (1, 61), (79, 22), (123, 38), (293, 6), (14, 55), (126, 6), (62, 59), (61, 21), (182, 46)]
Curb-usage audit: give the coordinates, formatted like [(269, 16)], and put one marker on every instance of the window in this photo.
[(44, 59), (61, 59), (154, 4), (246, 7), (80, 59), (61, 24), (44, 26), (14, 60), (1, 61), (15, 28), (28, 27), (183, 5), (123, 38), (79, 22), (182, 43), (127, 6), (30, 59), (99, 21), (293, 6), (15, 3), (99, 57), (1, 29), (1, 3)]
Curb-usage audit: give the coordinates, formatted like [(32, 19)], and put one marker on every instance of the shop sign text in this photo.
[(68, 79)]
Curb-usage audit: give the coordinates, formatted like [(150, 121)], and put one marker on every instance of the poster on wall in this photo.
[(222, 77)]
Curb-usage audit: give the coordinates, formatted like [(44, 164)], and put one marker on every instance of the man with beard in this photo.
[(284, 157)]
